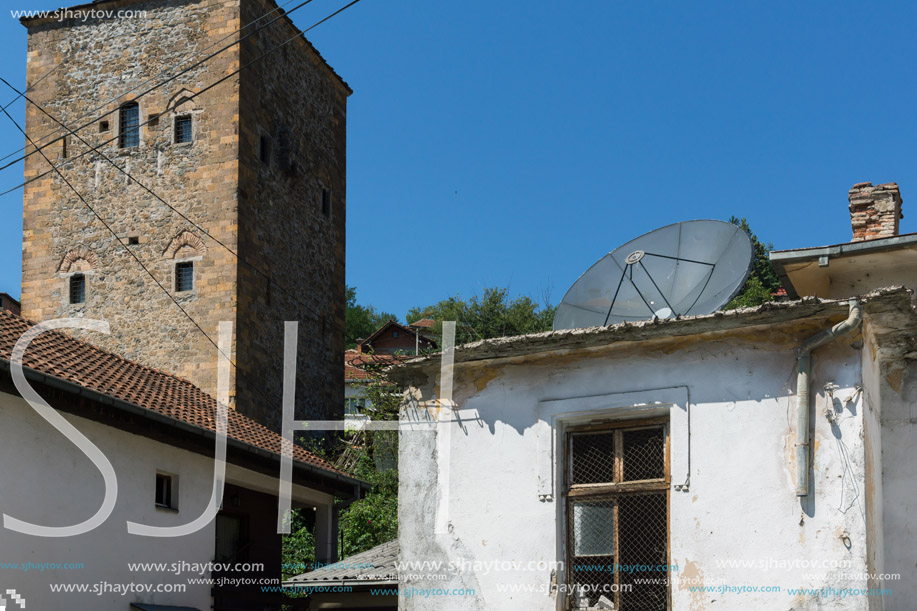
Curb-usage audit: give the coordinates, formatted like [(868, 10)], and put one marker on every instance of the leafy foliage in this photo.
[(298, 548), (493, 314), (372, 520), (763, 281), (361, 321)]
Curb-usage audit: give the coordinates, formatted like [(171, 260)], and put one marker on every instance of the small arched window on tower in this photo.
[(185, 250), (76, 267), (129, 125)]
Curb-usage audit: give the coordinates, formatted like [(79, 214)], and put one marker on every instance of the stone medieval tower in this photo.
[(256, 162)]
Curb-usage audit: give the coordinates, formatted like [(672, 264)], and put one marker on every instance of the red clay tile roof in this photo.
[(79, 362), (423, 323), (355, 363)]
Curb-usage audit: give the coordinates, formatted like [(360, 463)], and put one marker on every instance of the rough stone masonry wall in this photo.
[(874, 211), (298, 105), (99, 60)]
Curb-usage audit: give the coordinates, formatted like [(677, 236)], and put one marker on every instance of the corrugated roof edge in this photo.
[(772, 312), (375, 566)]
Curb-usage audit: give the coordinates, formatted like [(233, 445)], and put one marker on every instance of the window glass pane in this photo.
[(593, 529), (77, 288), (182, 129), (593, 458), (163, 490), (129, 121), (184, 276), (644, 454)]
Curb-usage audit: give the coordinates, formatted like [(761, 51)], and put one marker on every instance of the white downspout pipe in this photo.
[(803, 362)]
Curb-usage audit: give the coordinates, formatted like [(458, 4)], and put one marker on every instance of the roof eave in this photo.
[(781, 258), (132, 408), (570, 340)]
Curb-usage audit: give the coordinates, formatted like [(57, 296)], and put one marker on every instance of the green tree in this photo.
[(361, 321), (373, 520), (763, 280), (493, 314), (298, 547)]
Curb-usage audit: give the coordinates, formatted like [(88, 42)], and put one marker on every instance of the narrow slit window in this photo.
[(183, 129), (77, 289), (326, 202), (265, 151), (184, 276), (129, 125)]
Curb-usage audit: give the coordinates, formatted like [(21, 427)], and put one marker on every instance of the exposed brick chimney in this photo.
[(874, 211)]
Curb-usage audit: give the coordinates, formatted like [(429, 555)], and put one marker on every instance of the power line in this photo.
[(190, 97), (135, 87), (167, 204), (121, 242), (172, 78), (95, 149)]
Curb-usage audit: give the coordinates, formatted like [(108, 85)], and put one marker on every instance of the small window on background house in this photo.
[(617, 483), (326, 202), (103, 126), (184, 276), (165, 497), (129, 125), (77, 289), (183, 129), (394, 334), (265, 152)]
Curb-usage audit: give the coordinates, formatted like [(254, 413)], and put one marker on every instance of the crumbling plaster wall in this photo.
[(740, 505)]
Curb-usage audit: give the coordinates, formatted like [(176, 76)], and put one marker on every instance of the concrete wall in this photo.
[(46, 480), (490, 481), (893, 382)]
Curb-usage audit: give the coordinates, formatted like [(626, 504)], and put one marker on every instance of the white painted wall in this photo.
[(740, 505), (45, 479)]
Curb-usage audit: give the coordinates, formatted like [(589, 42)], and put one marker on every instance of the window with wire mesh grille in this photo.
[(183, 129), (184, 276), (617, 482), (129, 125), (77, 288)]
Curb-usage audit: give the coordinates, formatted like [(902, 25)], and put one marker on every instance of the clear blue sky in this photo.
[(513, 143)]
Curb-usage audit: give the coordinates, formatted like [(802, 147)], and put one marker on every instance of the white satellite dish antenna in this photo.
[(686, 269)]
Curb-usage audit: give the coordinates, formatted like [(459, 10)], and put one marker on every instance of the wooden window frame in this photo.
[(611, 491)]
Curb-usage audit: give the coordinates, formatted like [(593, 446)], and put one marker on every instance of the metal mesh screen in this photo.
[(593, 458), (592, 533), (643, 540), (644, 454)]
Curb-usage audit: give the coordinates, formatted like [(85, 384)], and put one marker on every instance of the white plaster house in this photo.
[(157, 431), (674, 447)]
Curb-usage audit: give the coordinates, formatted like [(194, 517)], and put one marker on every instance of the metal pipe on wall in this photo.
[(803, 364)]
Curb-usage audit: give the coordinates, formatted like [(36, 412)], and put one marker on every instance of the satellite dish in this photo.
[(686, 269)]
